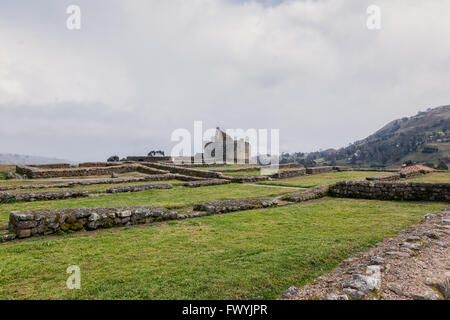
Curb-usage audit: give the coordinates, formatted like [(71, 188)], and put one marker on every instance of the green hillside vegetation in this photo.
[(422, 138)]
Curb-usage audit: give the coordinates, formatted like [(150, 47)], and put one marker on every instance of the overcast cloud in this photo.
[(137, 70)]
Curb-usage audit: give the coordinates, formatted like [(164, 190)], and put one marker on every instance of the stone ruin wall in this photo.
[(101, 164), (6, 197), (37, 173), (255, 167), (387, 190), (398, 175), (138, 188), (344, 168), (25, 224), (89, 182), (149, 159), (44, 222), (51, 166), (317, 170), (308, 194), (185, 171), (288, 173)]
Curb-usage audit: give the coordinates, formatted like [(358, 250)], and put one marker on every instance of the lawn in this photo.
[(309, 181), (433, 177), (254, 254), (100, 188), (177, 198)]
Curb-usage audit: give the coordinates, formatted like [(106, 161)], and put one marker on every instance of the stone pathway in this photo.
[(415, 265)]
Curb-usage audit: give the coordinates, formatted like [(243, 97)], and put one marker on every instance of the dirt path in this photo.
[(415, 265)]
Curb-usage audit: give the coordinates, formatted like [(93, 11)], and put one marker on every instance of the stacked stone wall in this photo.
[(43, 222), (6, 197), (51, 166), (308, 194), (36, 173), (235, 205), (137, 188), (288, 173), (204, 183), (388, 190), (318, 170), (185, 171), (398, 175)]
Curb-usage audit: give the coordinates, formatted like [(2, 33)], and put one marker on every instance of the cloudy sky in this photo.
[(137, 70)]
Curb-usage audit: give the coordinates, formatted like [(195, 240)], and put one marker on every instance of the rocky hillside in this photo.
[(423, 138)]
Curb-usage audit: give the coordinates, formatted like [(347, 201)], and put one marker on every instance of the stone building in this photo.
[(224, 149)]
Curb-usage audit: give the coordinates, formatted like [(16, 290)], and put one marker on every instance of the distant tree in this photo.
[(442, 166), (113, 159), (408, 163), (153, 153)]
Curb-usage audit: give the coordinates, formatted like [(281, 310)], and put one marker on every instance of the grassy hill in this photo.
[(422, 138)]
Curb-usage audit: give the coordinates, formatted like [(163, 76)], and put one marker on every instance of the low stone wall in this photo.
[(290, 165), (41, 196), (51, 166), (43, 222), (137, 188), (88, 182), (245, 179), (309, 194), (35, 173), (235, 205), (149, 159), (100, 164), (204, 183), (256, 167), (317, 170), (243, 169), (398, 175), (24, 224), (185, 171), (289, 173), (344, 168), (385, 177), (183, 177), (386, 190), (204, 165)]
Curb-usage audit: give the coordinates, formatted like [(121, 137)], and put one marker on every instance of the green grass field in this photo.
[(100, 188), (244, 255), (176, 198), (309, 181), (433, 177), (253, 254)]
